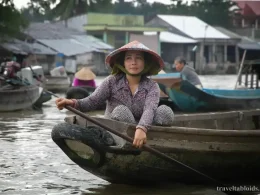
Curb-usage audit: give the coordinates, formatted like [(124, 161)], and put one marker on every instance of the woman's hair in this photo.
[(181, 60)]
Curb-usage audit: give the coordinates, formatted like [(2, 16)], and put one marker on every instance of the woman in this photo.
[(188, 73), (84, 77), (131, 96)]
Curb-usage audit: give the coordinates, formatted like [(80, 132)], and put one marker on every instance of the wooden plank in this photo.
[(216, 115), (206, 116)]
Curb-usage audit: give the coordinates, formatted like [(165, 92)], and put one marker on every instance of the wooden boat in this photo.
[(189, 98), (223, 145), (18, 97), (57, 83), (34, 76), (79, 92), (44, 97)]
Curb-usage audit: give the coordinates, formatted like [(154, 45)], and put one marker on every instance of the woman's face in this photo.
[(134, 62), (178, 65)]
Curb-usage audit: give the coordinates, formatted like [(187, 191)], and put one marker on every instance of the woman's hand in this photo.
[(62, 102), (140, 138)]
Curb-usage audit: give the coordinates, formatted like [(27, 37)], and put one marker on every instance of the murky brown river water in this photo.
[(32, 164)]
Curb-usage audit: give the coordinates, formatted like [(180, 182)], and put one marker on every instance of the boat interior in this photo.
[(230, 120)]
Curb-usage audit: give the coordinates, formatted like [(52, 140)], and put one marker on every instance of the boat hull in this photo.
[(44, 97), (57, 83), (191, 99), (18, 98), (226, 155)]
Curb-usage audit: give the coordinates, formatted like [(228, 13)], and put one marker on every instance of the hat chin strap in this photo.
[(145, 70)]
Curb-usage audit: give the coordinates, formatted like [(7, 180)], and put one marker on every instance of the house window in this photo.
[(231, 53), (208, 53), (219, 54)]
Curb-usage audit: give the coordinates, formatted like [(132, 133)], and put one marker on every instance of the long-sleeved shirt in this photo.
[(116, 91), (188, 73)]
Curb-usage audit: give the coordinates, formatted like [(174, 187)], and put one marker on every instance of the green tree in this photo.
[(38, 10), (122, 7), (178, 7), (68, 8), (214, 12), (11, 20)]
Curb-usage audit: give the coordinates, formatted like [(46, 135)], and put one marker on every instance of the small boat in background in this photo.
[(192, 99), (16, 93), (18, 97), (35, 76), (58, 81), (189, 98)]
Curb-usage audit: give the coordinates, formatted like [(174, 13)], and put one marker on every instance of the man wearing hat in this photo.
[(131, 96), (84, 77)]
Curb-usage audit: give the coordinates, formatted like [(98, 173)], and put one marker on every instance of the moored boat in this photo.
[(18, 97), (192, 99), (223, 145), (189, 98), (57, 83)]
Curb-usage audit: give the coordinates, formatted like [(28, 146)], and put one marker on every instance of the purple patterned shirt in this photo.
[(115, 90)]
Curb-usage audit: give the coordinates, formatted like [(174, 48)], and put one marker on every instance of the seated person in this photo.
[(187, 73), (84, 77), (131, 96)]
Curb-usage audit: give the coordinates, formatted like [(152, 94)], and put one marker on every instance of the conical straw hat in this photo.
[(135, 45), (85, 74)]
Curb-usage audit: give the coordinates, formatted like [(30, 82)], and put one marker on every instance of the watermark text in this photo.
[(239, 189)]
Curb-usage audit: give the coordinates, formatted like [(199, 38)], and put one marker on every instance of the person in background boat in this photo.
[(84, 77), (131, 96), (187, 72), (11, 68)]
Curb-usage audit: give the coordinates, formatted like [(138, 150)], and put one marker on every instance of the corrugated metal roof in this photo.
[(92, 42), (65, 40), (252, 5), (13, 48), (168, 37), (249, 46), (193, 27), (21, 47), (227, 32), (69, 47), (50, 31)]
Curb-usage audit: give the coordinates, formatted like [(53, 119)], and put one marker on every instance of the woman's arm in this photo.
[(97, 98), (151, 104)]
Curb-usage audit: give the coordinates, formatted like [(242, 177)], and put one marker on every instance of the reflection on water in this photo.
[(178, 189), (30, 162)]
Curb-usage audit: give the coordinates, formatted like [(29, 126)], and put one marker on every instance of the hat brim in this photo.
[(85, 75), (113, 56)]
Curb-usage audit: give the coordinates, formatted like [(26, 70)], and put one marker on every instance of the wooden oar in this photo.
[(151, 150)]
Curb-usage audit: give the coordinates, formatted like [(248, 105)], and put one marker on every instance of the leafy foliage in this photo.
[(11, 21)]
